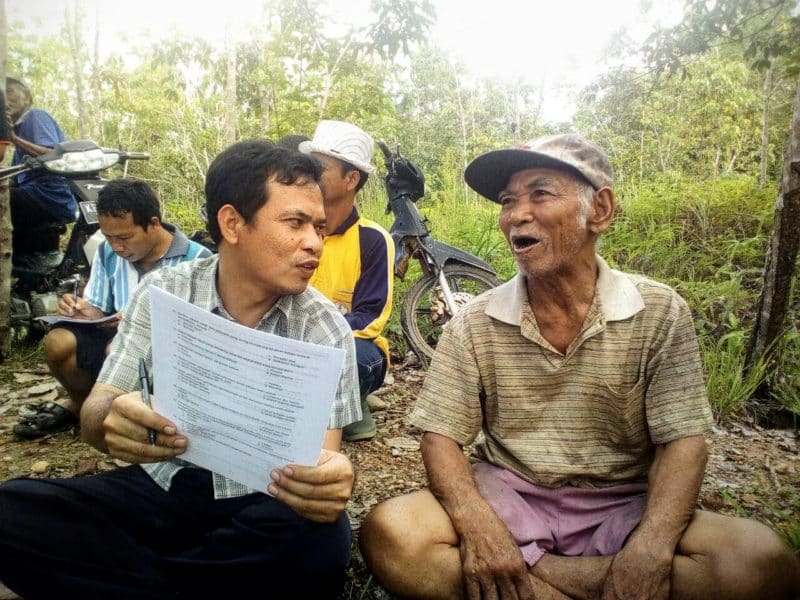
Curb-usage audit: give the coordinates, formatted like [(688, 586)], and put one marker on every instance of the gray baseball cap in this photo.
[(489, 173)]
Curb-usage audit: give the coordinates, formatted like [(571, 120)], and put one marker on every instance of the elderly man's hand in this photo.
[(126, 432), (317, 493), (491, 560), (640, 570)]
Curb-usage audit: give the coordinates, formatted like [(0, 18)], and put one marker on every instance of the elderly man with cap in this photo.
[(355, 270), (582, 389)]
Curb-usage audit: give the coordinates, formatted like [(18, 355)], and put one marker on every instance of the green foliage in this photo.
[(707, 124), (686, 152), (728, 386), (764, 31)]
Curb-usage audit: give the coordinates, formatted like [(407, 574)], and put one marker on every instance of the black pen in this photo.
[(74, 295), (145, 382)]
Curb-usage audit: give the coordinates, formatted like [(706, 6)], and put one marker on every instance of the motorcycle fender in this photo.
[(90, 247), (444, 253)]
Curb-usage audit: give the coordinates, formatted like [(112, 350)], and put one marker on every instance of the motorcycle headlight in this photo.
[(82, 162)]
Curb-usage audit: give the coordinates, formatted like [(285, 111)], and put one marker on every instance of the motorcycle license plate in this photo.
[(89, 211)]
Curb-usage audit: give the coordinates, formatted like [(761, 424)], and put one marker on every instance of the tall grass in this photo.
[(728, 384)]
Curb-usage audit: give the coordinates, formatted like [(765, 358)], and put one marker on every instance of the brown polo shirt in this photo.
[(631, 379)]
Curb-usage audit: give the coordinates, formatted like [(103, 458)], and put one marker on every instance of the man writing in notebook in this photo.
[(162, 528), (136, 242)]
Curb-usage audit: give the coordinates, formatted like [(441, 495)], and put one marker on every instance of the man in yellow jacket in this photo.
[(355, 271)]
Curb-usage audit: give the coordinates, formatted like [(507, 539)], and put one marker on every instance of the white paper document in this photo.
[(247, 401)]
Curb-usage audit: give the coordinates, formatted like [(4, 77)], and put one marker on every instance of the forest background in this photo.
[(696, 133)]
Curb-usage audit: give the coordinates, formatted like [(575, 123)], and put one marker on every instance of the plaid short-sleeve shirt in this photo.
[(589, 417), (308, 317)]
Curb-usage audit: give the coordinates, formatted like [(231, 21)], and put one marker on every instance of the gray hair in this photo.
[(586, 195)]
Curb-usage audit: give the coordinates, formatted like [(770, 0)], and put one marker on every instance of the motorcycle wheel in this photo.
[(423, 313)]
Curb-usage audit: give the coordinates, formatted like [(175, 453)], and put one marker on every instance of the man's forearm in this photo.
[(673, 487), (93, 413), (29, 147), (450, 477)]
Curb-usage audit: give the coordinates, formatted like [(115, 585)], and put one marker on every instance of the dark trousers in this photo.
[(371, 366), (28, 218), (119, 536)]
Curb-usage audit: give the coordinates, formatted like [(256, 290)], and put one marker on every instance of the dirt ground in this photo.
[(752, 472)]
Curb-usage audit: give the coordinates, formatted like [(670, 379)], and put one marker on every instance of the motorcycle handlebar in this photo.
[(9, 172), (50, 161)]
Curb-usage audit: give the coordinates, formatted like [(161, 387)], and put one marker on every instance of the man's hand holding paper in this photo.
[(126, 426), (317, 493)]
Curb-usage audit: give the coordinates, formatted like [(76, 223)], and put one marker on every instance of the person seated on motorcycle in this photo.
[(356, 268), (40, 200), (136, 243)]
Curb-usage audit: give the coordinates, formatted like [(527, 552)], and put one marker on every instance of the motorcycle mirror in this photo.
[(387, 154)]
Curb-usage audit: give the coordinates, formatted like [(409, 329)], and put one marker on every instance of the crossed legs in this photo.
[(412, 549)]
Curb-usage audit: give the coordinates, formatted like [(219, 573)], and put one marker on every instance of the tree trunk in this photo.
[(229, 132), (266, 110), (76, 47), (97, 106), (782, 252), (5, 212), (762, 174), (462, 119)]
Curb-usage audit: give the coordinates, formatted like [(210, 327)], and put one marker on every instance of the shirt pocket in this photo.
[(627, 417)]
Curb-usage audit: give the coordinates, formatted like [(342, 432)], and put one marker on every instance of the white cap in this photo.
[(341, 140)]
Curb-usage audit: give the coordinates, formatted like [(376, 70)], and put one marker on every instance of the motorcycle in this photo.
[(39, 278), (450, 277)]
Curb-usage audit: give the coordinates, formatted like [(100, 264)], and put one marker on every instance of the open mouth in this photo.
[(523, 242), (309, 265)]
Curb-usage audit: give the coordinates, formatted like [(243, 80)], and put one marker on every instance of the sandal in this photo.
[(45, 418)]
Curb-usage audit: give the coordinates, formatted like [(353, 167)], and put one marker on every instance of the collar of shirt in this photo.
[(179, 244), (618, 296), (348, 222)]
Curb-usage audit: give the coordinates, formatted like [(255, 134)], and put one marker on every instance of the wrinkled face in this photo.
[(128, 240), (281, 246), (542, 220), (334, 184)]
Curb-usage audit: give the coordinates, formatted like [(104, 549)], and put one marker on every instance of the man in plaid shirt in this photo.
[(162, 528)]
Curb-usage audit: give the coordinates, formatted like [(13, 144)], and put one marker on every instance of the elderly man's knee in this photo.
[(382, 529), (395, 534), (749, 560), (751, 542), (769, 560)]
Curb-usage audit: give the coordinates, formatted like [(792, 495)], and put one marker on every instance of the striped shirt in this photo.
[(113, 278), (308, 317), (590, 417), (356, 274)]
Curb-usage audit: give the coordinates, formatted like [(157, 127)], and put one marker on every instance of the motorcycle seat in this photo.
[(42, 239), (35, 263)]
